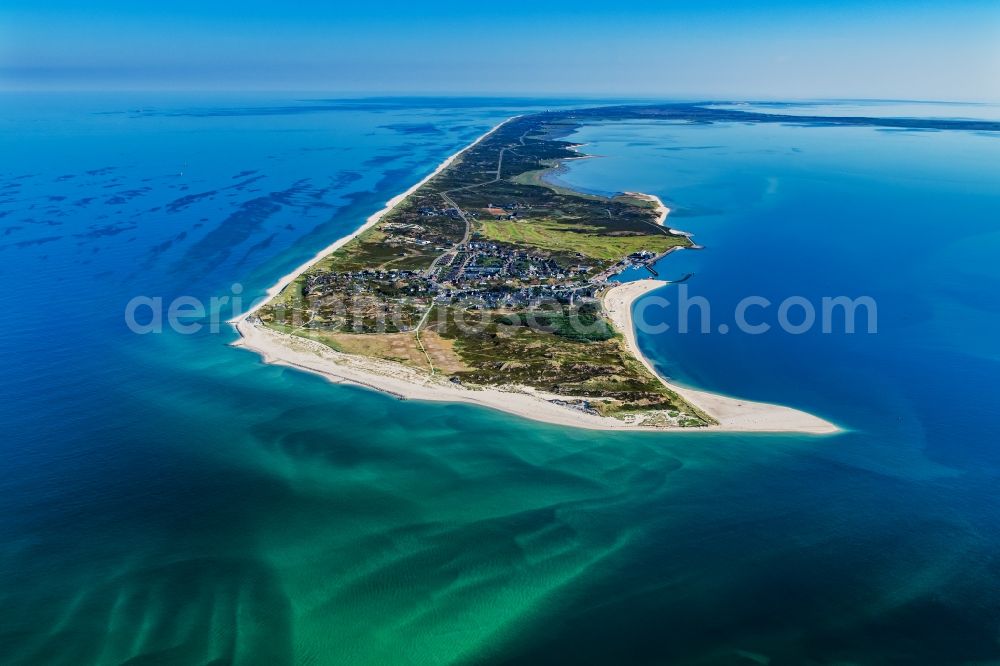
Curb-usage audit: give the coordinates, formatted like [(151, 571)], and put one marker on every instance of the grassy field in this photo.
[(561, 237)]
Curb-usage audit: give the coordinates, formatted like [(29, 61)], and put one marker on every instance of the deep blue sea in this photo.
[(168, 499)]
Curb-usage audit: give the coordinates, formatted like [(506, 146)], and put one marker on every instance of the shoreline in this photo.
[(733, 414), (405, 383), (661, 209), (371, 221)]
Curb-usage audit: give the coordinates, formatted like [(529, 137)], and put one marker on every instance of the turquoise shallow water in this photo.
[(170, 500)]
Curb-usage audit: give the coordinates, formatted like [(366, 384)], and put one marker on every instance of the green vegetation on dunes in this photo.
[(527, 257)]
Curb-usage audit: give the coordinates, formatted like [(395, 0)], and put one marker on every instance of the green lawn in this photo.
[(591, 241)]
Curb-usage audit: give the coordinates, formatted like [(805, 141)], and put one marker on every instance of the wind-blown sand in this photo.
[(731, 413), (409, 383)]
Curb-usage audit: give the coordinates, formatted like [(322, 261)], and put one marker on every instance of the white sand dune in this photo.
[(732, 414)]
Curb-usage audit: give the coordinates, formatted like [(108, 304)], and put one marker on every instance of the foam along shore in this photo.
[(732, 414)]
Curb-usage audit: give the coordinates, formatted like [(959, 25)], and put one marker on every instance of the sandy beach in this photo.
[(409, 383), (661, 209), (370, 222), (403, 382), (732, 414)]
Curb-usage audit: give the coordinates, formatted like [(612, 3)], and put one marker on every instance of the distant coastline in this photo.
[(730, 414)]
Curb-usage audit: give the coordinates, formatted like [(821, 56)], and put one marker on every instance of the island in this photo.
[(487, 283)]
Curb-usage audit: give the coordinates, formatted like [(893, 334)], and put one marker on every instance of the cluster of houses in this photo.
[(504, 296), (506, 211), (389, 283), (479, 273), (479, 260), (432, 211)]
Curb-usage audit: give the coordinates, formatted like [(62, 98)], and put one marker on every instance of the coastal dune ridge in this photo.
[(403, 382), (372, 220)]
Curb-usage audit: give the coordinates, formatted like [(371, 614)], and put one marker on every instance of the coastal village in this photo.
[(488, 276), (478, 275)]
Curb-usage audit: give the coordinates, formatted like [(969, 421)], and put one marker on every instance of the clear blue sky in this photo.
[(880, 48)]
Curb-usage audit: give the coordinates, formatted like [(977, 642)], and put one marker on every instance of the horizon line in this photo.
[(481, 94)]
